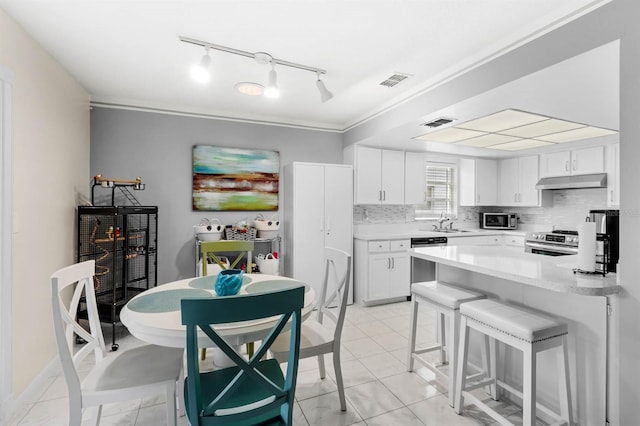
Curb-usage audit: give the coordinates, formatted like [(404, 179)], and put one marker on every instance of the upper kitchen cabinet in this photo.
[(518, 178), (478, 182), (576, 162), (379, 175), (415, 178), (613, 175)]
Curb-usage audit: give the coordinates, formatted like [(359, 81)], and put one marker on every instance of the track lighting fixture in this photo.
[(271, 90), (200, 72), (325, 94)]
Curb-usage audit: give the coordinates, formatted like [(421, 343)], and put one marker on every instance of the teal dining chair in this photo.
[(254, 391)]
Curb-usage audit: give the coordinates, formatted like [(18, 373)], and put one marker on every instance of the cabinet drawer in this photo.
[(378, 246), (399, 245), (513, 240)]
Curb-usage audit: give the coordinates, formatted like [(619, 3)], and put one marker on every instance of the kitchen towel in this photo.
[(587, 246)]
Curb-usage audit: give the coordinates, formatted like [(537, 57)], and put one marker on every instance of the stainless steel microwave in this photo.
[(498, 221)]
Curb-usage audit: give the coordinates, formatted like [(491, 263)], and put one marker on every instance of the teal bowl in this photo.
[(228, 282)]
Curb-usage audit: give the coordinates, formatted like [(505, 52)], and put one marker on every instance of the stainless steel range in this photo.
[(562, 243), (554, 243)]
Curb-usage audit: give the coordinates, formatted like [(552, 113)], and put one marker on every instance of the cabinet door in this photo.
[(379, 267), (556, 164), (528, 177), (508, 183), (415, 178), (400, 276), (486, 182), (338, 207), (479, 240), (587, 160), (467, 186), (368, 171), (308, 226), (613, 175), (392, 177)]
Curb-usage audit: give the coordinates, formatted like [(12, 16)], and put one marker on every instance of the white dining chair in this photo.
[(132, 374), (319, 337)]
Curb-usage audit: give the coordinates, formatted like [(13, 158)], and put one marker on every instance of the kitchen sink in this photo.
[(449, 230)]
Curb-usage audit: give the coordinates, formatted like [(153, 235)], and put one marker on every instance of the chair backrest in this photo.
[(200, 313), (337, 276), (67, 287), (209, 249)]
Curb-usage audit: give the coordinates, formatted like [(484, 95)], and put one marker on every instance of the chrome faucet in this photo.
[(443, 219)]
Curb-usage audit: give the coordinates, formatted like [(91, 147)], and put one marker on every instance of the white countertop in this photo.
[(390, 233), (548, 272)]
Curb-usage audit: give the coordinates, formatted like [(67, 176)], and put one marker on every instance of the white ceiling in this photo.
[(128, 52)]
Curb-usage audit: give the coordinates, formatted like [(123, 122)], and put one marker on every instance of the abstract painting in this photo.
[(233, 179)]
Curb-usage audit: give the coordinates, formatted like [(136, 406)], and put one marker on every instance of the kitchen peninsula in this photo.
[(548, 284)]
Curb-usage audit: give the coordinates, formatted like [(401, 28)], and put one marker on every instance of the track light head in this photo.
[(272, 88), (200, 72), (325, 94)]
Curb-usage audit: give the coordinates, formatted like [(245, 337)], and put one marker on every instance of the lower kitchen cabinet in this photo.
[(382, 270), (478, 240), (513, 241)]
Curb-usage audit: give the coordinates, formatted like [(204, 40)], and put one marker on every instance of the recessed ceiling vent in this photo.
[(437, 123), (395, 79)]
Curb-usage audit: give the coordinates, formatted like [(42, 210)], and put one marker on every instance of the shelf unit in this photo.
[(261, 245), (123, 242)]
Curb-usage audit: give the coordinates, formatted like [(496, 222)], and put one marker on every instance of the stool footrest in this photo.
[(429, 349), (484, 407), (480, 384), (539, 406), (430, 365)]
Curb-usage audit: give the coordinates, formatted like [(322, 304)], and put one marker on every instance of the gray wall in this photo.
[(126, 144)]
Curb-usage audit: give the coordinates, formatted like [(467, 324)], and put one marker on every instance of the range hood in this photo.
[(595, 180)]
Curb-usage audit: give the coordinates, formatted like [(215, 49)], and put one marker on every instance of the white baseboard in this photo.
[(31, 393)]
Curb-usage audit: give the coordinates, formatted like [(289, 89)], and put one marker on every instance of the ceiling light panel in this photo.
[(542, 128), (487, 140), (502, 120), (449, 135), (577, 134), (520, 144)]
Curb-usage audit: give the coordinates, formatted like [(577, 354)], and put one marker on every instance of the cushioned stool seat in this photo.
[(524, 329), (445, 299)]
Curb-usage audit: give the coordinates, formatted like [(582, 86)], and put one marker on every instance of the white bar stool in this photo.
[(529, 331), (445, 299)]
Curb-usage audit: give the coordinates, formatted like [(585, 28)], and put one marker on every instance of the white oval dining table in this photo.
[(154, 315)]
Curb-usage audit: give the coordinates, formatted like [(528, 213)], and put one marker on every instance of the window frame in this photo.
[(420, 210)]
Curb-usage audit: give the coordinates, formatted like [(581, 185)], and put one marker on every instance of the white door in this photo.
[(556, 163), (338, 207), (415, 178), (529, 171), (400, 276), (486, 182), (587, 160), (379, 267), (508, 195), (368, 166), (392, 177), (308, 226)]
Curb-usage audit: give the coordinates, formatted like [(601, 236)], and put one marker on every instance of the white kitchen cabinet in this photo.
[(475, 240), (613, 175), (318, 206), (415, 178), (382, 270), (517, 181), (576, 162), (513, 241), (478, 182), (379, 176)]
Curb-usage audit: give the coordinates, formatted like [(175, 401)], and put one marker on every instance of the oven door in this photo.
[(549, 249)]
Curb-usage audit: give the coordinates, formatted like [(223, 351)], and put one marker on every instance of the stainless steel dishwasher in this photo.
[(424, 270)]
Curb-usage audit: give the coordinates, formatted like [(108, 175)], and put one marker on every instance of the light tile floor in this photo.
[(378, 388)]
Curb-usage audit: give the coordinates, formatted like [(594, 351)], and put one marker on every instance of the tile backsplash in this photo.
[(567, 209)]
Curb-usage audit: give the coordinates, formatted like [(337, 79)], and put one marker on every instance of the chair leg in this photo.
[(203, 354), (250, 349), (529, 387), (493, 365), (454, 330), (170, 391), (321, 368), (75, 414), (441, 337), (180, 390), (564, 382), (461, 371), (413, 324), (338, 369)]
